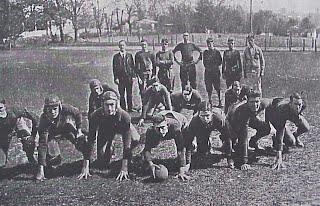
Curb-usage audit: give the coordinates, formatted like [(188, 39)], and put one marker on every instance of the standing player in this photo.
[(167, 125), (200, 127), (164, 60), (24, 124), (104, 124), (96, 91), (145, 65), (212, 74), (254, 64), (278, 113), (152, 97), (187, 64), (123, 74), (231, 64), (58, 120), (240, 118), (235, 94), (187, 99)]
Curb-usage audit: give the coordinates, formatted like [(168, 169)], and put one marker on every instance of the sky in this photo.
[(299, 6)]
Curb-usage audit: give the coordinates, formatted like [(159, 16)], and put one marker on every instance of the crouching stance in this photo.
[(23, 123), (242, 116), (278, 113), (207, 120), (108, 121), (58, 121), (167, 125)]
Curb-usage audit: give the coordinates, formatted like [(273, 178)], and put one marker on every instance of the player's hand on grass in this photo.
[(278, 164), (153, 169), (40, 174), (230, 163), (85, 173), (245, 167), (141, 122), (116, 81), (123, 175), (140, 80), (182, 173)]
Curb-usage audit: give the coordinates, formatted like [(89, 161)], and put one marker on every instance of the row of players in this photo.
[(146, 65), (107, 119)]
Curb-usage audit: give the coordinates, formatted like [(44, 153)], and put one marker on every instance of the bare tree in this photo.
[(73, 8)]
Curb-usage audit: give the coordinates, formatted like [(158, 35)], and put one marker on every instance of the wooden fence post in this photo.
[(265, 44), (315, 45), (303, 44)]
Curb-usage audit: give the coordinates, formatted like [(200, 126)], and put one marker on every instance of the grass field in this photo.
[(27, 76)]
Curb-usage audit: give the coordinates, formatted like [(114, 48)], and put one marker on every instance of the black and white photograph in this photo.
[(160, 102)]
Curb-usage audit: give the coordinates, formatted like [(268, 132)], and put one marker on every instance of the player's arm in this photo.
[(126, 136), (262, 62), (167, 99), (115, 67), (239, 62), (278, 164), (223, 68), (181, 150), (150, 143), (87, 154)]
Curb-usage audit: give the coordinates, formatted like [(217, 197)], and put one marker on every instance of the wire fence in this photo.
[(267, 43)]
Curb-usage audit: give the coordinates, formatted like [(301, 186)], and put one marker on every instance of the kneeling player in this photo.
[(25, 125), (108, 121), (58, 120), (167, 125)]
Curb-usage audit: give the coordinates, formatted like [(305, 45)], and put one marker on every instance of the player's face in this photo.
[(231, 45), (210, 45), (187, 95), (110, 107), (52, 112), (205, 116), (186, 38), (296, 105), (254, 103), (98, 90), (144, 46), (163, 130), (251, 41), (236, 89), (122, 46), (156, 87), (164, 46)]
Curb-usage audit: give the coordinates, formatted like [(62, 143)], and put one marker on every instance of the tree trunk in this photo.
[(61, 33)]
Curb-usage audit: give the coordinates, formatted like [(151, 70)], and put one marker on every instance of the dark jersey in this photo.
[(212, 60), (187, 50), (178, 102)]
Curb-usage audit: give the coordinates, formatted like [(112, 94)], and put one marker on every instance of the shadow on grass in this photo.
[(16, 172)]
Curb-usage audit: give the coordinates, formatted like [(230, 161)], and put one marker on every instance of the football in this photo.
[(161, 173)]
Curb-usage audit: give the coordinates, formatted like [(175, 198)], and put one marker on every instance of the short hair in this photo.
[(209, 40), (164, 40), (236, 83), (230, 39), (94, 83), (204, 106), (122, 40), (143, 41), (253, 94), (295, 95), (154, 80), (185, 34), (158, 118), (250, 36)]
